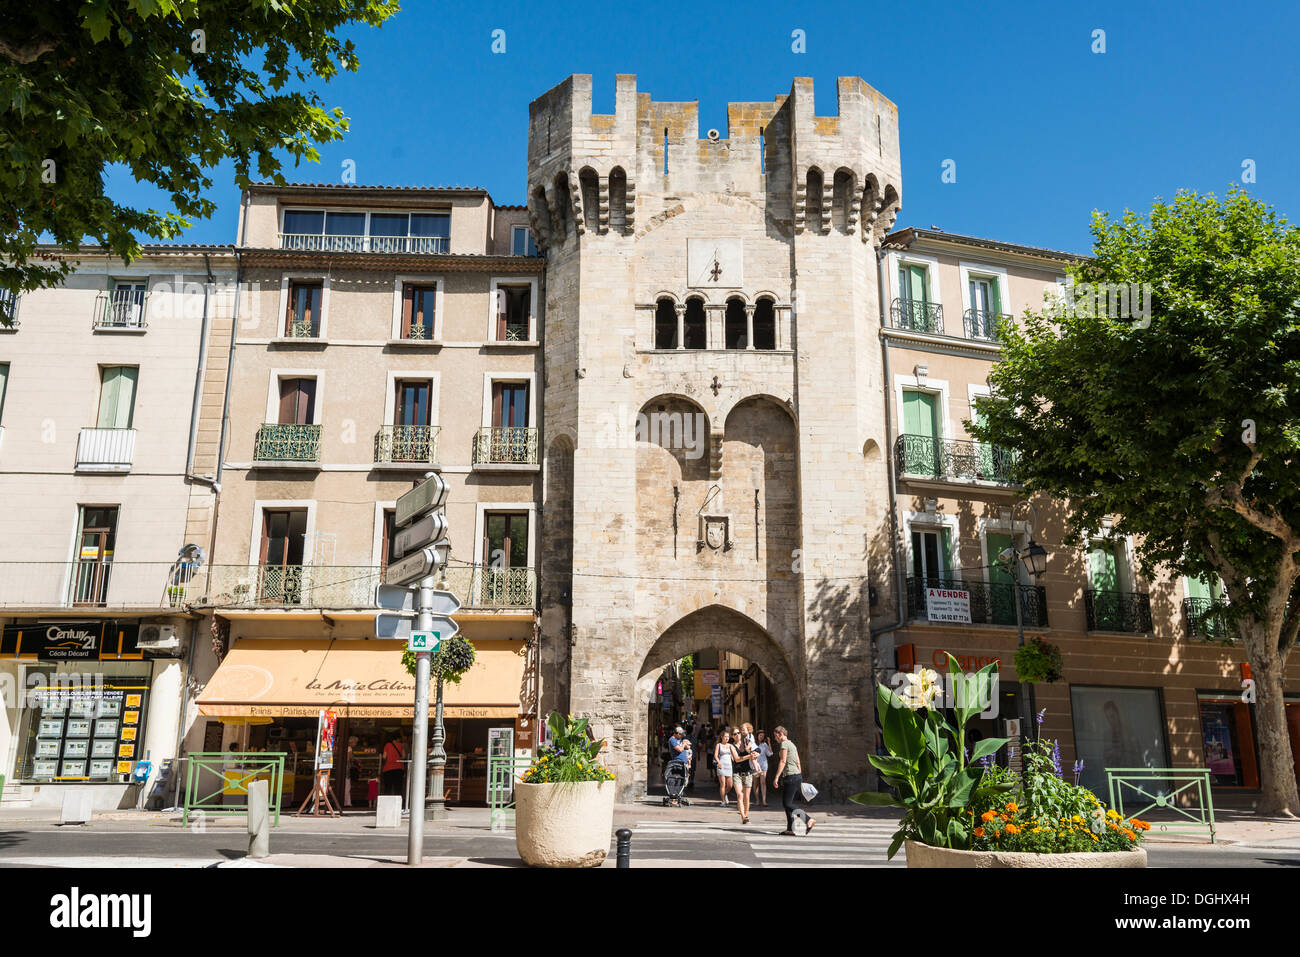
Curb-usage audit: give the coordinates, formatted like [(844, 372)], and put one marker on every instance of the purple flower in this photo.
[(1056, 759), (1078, 770), (1040, 715), (986, 761)]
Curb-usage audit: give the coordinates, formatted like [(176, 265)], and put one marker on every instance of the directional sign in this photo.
[(409, 569), (425, 497), (395, 598), (424, 641), (423, 531), (389, 625), (444, 603)]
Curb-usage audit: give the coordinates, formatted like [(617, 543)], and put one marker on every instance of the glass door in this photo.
[(921, 451), (411, 433), (284, 536), (94, 555), (505, 547), (1003, 587)]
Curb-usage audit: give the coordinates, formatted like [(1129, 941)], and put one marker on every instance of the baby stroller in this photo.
[(675, 776)]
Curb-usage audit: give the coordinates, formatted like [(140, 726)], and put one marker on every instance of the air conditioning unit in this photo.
[(158, 638)]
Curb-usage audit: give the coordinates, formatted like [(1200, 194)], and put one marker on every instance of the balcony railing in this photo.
[(505, 446), (917, 315), (353, 586), (955, 460), (315, 242), (98, 583), (105, 450), (1118, 611), (1206, 618), (991, 603), (121, 311), (295, 328), (287, 443), (982, 324), (416, 444)]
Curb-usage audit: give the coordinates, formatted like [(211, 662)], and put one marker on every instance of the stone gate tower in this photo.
[(714, 405)]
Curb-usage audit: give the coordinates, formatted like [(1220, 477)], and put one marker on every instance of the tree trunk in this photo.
[(1278, 792)]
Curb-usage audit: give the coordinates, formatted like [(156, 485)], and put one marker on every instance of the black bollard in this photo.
[(624, 836)]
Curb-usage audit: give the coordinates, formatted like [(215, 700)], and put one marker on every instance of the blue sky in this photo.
[(1042, 129)]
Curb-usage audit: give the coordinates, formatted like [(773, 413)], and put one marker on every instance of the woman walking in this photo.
[(742, 761), (760, 775), (789, 777), (722, 761)]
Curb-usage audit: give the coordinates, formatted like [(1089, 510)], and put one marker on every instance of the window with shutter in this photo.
[(117, 397)]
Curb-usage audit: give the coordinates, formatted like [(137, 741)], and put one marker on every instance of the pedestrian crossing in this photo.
[(832, 843)]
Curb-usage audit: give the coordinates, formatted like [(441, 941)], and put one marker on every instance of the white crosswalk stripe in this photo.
[(832, 843)]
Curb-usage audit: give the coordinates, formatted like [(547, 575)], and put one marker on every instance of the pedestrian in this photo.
[(394, 771), (742, 762), (760, 776), (789, 777), (722, 761)]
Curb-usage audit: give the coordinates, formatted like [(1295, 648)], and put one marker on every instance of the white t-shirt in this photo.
[(764, 752)]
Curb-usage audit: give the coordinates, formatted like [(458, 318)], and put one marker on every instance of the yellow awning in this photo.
[(359, 679)]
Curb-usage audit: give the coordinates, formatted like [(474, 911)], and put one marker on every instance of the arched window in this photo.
[(765, 324), (843, 197), (696, 332), (665, 324), (734, 327), (563, 206), (617, 200), (542, 213), (590, 184), (813, 219)]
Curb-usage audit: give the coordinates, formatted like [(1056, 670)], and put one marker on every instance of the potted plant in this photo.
[(564, 804), (1038, 660), (961, 810)]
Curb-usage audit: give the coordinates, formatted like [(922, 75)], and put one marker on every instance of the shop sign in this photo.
[(733, 675), (947, 604), (967, 663), (716, 700), (71, 640), (709, 678), (326, 726)]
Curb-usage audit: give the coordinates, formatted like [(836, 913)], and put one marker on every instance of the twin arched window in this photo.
[(736, 325)]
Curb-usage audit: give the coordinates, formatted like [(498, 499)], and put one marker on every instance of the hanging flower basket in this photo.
[(1038, 660)]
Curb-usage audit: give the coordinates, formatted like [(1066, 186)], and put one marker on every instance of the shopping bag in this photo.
[(809, 792)]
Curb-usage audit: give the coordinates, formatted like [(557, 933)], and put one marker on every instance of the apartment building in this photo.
[(107, 472), (385, 333), (1146, 679)]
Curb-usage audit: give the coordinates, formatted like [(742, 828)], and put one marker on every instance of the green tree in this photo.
[(167, 89), (1183, 424)]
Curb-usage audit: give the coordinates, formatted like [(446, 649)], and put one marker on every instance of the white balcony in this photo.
[(105, 450), (97, 583), (316, 242)]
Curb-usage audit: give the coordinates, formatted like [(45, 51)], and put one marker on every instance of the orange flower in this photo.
[(1131, 835), (1012, 829), (979, 832), (1013, 807), (988, 816), (1006, 817)]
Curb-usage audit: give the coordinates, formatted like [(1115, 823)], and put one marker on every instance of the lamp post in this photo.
[(438, 760), (1034, 559)]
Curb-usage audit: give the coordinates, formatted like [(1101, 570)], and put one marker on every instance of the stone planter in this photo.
[(923, 855), (564, 825)]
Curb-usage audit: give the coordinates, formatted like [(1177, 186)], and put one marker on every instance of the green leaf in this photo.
[(986, 746), (876, 799), (895, 844)]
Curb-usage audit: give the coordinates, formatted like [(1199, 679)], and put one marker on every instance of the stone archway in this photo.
[(710, 627)]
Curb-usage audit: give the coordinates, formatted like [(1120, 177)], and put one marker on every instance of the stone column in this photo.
[(681, 326), (749, 327)]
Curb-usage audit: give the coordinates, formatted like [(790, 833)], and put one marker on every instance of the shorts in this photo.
[(744, 778)]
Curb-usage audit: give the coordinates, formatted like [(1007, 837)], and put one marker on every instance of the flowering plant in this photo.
[(1038, 660), (936, 781), (571, 757)]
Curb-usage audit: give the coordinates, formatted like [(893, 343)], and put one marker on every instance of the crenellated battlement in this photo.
[(594, 173)]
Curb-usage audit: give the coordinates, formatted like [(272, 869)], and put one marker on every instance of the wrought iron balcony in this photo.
[(315, 242), (295, 328), (97, 583), (505, 446), (955, 460), (105, 450), (1206, 618), (399, 444), (982, 324), (991, 603), (419, 332), (1118, 611), (287, 443), (123, 310), (917, 315), (352, 586)]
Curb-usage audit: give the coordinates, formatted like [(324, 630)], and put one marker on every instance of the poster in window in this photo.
[(79, 728), (128, 734), (102, 749), (84, 707), (106, 728), (45, 769), (132, 717), (73, 769), (123, 767), (126, 750), (46, 748), (101, 769), (133, 701), (55, 705), (1218, 734), (50, 728), (1117, 728), (109, 708), (76, 749)]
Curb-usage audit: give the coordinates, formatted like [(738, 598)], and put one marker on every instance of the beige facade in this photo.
[(749, 511), (1141, 685), (107, 470)]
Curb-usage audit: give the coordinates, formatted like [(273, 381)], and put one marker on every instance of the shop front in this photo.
[(269, 694), (89, 710), (1228, 737)]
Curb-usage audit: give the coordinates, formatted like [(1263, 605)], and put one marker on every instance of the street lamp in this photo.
[(1033, 557), (438, 760)]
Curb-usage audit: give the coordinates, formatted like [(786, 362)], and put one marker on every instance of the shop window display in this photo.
[(1117, 728)]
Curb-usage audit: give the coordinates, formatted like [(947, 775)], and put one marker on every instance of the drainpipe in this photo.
[(198, 375)]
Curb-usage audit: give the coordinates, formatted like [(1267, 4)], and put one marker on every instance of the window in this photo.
[(505, 539), (1107, 569), (359, 230), (921, 434), (696, 332), (116, 396), (931, 555), (509, 405), (413, 402), (514, 312), (765, 324), (1227, 741), (665, 324), (521, 241), (4, 385), (1003, 592), (735, 325), (303, 314), (297, 401), (284, 534), (125, 306), (386, 556), (8, 308), (913, 283), (419, 308), (1117, 728), (96, 538), (985, 308)]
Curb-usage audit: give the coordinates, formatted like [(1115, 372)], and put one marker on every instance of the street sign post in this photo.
[(402, 627), (425, 497), (410, 569), (424, 641), (425, 530)]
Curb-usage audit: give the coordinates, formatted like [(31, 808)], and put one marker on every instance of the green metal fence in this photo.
[(217, 782), (1187, 799), (504, 772)]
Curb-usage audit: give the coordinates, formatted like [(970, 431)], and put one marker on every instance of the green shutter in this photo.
[(912, 283), (994, 543), (1102, 570), (919, 413), (945, 541), (117, 397), (1209, 588)]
